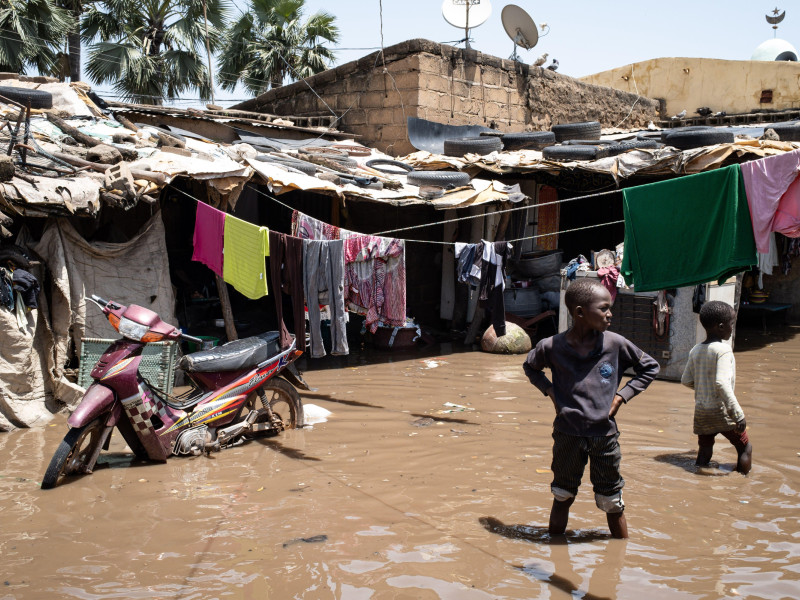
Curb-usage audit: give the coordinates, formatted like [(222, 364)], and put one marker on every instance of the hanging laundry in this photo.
[(468, 263), (791, 252), (244, 265), (27, 287), (687, 231), (323, 277), (286, 272), (787, 215), (209, 232), (766, 181), (309, 228), (766, 261), (493, 276), (21, 314), (608, 277), (698, 297), (6, 289), (375, 279)]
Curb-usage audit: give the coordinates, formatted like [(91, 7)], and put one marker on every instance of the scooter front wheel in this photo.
[(285, 403), (76, 454)]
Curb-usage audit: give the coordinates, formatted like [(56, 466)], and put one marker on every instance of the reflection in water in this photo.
[(686, 461)]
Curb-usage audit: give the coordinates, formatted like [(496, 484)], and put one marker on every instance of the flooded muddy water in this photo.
[(430, 479)]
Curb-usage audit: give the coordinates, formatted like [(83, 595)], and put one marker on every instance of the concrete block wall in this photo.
[(374, 95)]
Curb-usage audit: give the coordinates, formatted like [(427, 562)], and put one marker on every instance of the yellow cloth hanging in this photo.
[(243, 265)]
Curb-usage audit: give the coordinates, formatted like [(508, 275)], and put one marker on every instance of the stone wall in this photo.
[(733, 86), (373, 96)]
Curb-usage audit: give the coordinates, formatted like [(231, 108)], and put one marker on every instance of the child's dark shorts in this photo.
[(739, 440), (570, 455)]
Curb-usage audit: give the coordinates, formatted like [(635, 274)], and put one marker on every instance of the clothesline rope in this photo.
[(443, 243), (499, 212)]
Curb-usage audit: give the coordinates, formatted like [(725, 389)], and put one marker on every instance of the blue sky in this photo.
[(585, 36)]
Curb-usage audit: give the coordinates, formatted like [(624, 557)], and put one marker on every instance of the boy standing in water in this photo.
[(587, 364), (711, 372)]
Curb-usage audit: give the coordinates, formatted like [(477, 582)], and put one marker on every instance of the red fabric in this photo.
[(608, 277)]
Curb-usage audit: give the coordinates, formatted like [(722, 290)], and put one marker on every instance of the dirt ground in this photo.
[(399, 495)]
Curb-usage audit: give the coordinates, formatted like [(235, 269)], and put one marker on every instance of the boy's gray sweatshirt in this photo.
[(585, 386)]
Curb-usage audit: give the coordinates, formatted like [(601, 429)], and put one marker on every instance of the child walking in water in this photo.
[(711, 372), (587, 365)]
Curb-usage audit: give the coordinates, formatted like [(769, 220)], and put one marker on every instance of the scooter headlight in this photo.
[(131, 329)]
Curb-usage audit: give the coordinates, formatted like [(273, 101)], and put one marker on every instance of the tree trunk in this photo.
[(74, 49)]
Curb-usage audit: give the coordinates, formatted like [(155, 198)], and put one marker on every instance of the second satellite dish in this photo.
[(520, 27)]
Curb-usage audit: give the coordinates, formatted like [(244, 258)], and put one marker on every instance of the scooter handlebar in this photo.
[(99, 300), (191, 338)]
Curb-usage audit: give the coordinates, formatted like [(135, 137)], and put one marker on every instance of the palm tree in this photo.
[(270, 44), (73, 54), (151, 50), (31, 32)]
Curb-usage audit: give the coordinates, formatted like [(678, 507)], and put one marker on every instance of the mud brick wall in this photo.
[(374, 95)]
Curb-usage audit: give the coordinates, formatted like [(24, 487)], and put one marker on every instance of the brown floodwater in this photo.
[(399, 495)]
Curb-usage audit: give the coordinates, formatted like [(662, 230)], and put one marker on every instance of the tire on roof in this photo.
[(301, 165), (686, 140), (440, 178), (476, 145), (579, 152), (377, 163), (666, 132), (635, 144), (788, 131), (37, 98), (587, 130), (527, 140)]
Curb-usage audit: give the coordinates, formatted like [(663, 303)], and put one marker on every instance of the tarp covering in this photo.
[(134, 272), (26, 389)]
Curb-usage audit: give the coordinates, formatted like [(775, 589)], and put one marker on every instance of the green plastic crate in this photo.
[(157, 366)]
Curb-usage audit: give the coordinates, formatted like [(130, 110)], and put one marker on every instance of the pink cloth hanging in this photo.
[(787, 216), (766, 181), (209, 233)]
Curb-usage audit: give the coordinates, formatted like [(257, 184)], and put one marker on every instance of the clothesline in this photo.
[(443, 243)]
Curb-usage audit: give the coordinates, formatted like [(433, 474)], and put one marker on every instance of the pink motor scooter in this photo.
[(240, 390)]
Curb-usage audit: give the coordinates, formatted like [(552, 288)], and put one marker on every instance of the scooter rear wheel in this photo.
[(74, 454)]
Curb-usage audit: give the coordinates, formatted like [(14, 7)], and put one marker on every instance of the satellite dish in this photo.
[(466, 14), (520, 28)]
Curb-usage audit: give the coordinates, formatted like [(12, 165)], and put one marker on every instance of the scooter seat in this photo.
[(237, 355)]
